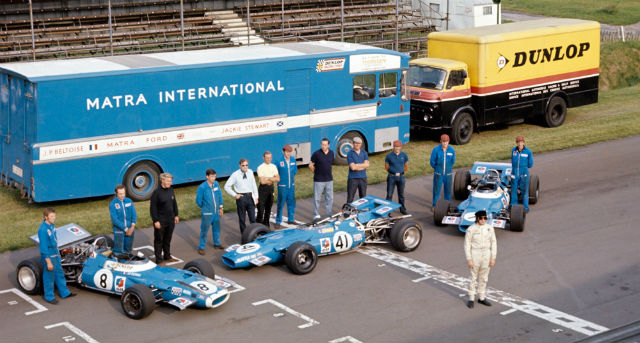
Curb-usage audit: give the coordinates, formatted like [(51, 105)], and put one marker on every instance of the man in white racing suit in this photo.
[(480, 248)]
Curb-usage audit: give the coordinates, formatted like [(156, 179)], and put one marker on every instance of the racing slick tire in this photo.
[(253, 231), (517, 218), (534, 189), (460, 183), (301, 258), (556, 112), (441, 211), (29, 276), (200, 266), (345, 143), (138, 301), (462, 129), (406, 235), (141, 180)]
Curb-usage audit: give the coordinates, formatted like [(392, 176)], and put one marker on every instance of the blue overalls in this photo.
[(49, 249), (286, 188), (442, 165), (123, 214), (209, 199), (521, 161)]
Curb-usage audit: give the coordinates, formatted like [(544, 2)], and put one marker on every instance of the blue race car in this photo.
[(88, 262), (490, 192), (366, 220)]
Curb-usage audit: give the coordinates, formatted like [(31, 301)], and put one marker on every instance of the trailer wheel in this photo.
[(462, 129), (556, 112), (460, 183), (345, 144), (141, 180)]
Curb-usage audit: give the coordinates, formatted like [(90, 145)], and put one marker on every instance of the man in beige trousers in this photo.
[(480, 248)]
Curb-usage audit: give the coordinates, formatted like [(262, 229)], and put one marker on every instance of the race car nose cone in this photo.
[(217, 299)]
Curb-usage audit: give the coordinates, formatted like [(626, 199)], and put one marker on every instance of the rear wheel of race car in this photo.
[(556, 112), (137, 301), (517, 219), (534, 189), (345, 144), (254, 231), (29, 276), (200, 266), (460, 183), (441, 211), (462, 129), (406, 235), (301, 258)]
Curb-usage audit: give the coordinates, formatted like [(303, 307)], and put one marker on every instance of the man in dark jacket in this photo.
[(164, 213)]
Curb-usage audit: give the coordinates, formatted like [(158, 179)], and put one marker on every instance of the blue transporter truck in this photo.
[(76, 128)]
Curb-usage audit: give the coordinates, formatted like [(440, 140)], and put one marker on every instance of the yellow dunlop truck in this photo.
[(487, 75)]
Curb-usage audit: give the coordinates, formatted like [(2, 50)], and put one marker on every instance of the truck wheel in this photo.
[(141, 180), (254, 231), (534, 189), (556, 112), (441, 211), (200, 266), (460, 183), (345, 144), (406, 235), (138, 301), (301, 258), (29, 276), (462, 129), (517, 218)]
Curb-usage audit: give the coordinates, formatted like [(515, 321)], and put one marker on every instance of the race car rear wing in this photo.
[(479, 168), (67, 234)]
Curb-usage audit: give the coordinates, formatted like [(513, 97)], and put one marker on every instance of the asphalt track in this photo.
[(573, 272)]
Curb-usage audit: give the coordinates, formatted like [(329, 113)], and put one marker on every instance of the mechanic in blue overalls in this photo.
[(443, 157), (123, 218), (521, 161), (287, 169), (50, 257), (209, 199)]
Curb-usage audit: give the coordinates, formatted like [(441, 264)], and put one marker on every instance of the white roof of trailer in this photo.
[(59, 68)]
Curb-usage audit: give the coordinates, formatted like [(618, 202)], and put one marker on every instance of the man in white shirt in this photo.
[(242, 186), (480, 249), (267, 175)]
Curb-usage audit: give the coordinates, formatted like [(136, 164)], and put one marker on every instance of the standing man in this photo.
[(480, 249), (50, 257), (396, 164), (321, 162), (268, 175), (521, 161), (123, 218), (442, 159), (209, 199), (164, 213), (287, 169), (358, 161), (245, 193)]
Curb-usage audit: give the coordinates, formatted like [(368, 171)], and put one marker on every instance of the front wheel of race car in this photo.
[(517, 219), (200, 266), (138, 301), (534, 189), (406, 235), (441, 210), (254, 231), (29, 276), (460, 183), (301, 258)]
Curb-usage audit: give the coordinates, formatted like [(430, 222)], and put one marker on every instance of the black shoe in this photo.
[(201, 251), (71, 295), (277, 226), (291, 223), (484, 302), (53, 302), (403, 211), (470, 304)]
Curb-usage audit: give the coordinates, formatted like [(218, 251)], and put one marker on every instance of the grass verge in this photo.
[(613, 12)]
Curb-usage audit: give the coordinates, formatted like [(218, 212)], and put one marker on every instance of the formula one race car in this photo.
[(89, 262), (491, 192), (366, 220)]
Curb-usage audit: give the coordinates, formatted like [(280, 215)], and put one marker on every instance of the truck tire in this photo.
[(200, 266), (406, 235), (141, 180), (556, 112), (345, 144), (301, 258), (29, 276), (534, 189), (460, 183), (441, 210), (517, 218), (138, 301), (254, 231), (462, 129)]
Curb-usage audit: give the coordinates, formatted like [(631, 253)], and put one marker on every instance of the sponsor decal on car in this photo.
[(383, 210), (451, 220), (342, 241), (260, 260), (359, 202), (248, 248), (357, 237), (204, 286), (74, 230), (481, 169), (326, 230), (120, 283), (498, 223), (325, 245), (176, 291)]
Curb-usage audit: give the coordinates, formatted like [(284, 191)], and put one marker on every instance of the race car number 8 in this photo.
[(103, 279), (342, 241), (205, 286)]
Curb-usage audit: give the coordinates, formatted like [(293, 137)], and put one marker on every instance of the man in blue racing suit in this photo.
[(52, 273), (521, 161), (209, 199), (123, 217), (287, 169), (443, 157)]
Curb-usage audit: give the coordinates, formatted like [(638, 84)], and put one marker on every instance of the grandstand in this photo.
[(74, 28)]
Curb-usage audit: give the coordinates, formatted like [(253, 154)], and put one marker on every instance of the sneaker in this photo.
[(221, 247), (316, 219), (484, 302), (53, 302), (470, 304), (201, 251)]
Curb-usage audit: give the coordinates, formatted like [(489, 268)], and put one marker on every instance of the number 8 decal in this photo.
[(342, 241), (103, 279)]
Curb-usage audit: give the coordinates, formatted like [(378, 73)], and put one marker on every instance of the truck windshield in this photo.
[(426, 77)]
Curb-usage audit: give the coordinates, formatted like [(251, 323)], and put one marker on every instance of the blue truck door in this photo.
[(389, 107), (297, 106), (16, 149), (4, 121)]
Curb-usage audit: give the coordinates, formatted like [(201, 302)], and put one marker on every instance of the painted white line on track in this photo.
[(73, 329), (509, 311), (421, 279), (148, 247), (310, 321), (515, 302), (28, 299), (345, 339)]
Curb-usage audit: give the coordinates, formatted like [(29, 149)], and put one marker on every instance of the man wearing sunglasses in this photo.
[(480, 248)]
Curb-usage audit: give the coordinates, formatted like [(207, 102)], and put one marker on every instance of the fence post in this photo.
[(182, 22), (282, 40), (342, 20), (33, 37), (248, 23), (397, 47), (622, 32), (110, 29)]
